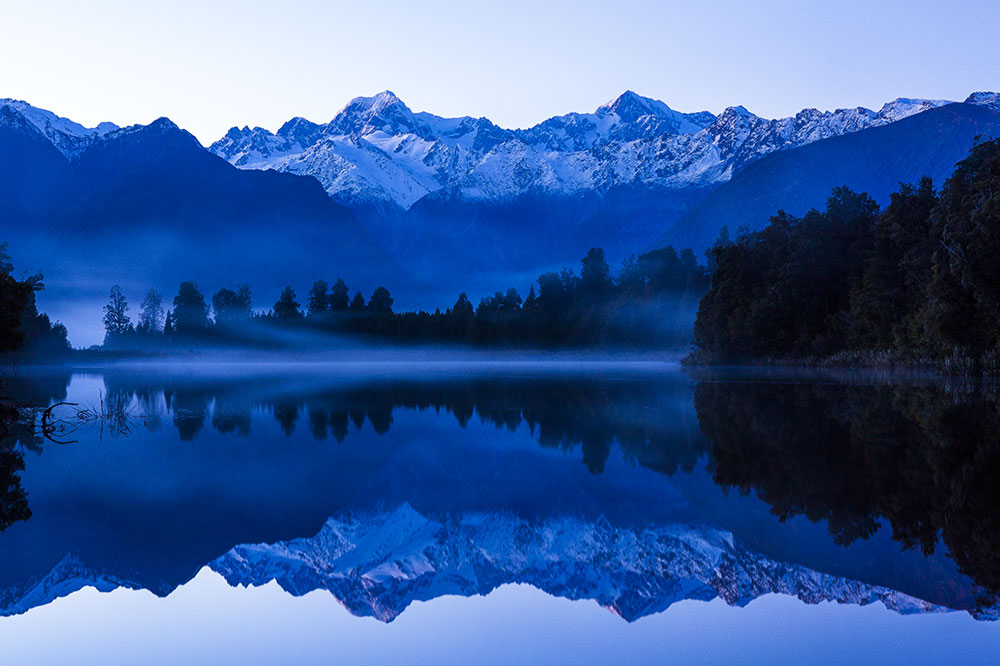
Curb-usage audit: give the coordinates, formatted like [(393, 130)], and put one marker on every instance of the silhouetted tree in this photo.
[(15, 299), (116, 319), (357, 303), (339, 297), (151, 314), (287, 307), (190, 310), (232, 308), (595, 276), (381, 301), (319, 300)]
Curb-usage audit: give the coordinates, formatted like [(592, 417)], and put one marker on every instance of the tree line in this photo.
[(917, 282), (639, 306)]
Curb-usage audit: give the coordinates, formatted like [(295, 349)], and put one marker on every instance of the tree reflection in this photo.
[(926, 459), (18, 434), (585, 414)]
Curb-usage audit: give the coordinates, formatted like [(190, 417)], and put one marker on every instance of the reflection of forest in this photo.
[(568, 413), (922, 458), (17, 435), (925, 459)]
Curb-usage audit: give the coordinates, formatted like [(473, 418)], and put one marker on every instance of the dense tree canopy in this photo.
[(919, 280), (24, 332), (190, 315)]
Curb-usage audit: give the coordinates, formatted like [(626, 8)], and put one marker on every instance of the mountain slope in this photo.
[(31, 168), (68, 137), (875, 161), (147, 206)]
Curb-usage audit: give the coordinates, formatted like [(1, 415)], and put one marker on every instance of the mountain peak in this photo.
[(363, 115), (903, 107), (299, 130), (160, 130), (375, 104), (67, 136), (630, 106), (163, 124), (990, 100), (738, 111)]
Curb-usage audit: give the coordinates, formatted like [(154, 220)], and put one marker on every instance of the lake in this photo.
[(505, 511)]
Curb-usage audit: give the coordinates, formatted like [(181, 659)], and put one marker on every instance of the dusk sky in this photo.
[(211, 65)]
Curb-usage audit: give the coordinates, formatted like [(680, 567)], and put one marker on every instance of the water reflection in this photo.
[(923, 457), (385, 490), (18, 415), (569, 413)]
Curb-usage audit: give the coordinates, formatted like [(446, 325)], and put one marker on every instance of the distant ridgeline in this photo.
[(917, 283), (649, 303)]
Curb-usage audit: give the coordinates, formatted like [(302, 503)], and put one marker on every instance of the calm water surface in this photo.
[(499, 513)]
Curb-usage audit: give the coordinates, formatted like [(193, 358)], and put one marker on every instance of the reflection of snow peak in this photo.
[(376, 564), (376, 150)]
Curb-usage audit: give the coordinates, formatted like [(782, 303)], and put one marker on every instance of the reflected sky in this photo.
[(206, 621)]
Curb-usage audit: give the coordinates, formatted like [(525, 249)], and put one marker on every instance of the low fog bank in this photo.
[(369, 359)]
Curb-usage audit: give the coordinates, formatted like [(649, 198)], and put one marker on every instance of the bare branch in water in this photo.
[(116, 415)]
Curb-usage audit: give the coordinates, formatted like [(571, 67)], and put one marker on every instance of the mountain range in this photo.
[(430, 206), (462, 196), (875, 161), (376, 150)]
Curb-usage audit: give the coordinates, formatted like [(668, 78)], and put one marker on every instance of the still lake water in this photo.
[(501, 513)]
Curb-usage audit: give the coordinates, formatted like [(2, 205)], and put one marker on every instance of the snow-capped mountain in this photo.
[(69, 137), (990, 100), (376, 150)]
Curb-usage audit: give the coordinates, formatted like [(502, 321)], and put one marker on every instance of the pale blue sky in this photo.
[(210, 65)]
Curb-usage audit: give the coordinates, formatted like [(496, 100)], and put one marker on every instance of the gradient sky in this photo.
[(210, 65)]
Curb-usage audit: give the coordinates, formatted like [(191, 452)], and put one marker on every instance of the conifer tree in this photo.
[(319, 300), (116, 319)]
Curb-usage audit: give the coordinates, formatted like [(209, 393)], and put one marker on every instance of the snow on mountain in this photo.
[(376, 150), (626, 118), (905, 107), (377, 563), (990, 100), (69, 137)]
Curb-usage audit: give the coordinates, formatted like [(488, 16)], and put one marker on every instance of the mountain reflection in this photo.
[(419, 486)]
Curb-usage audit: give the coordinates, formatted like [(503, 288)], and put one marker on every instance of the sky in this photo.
[(212, 65)]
